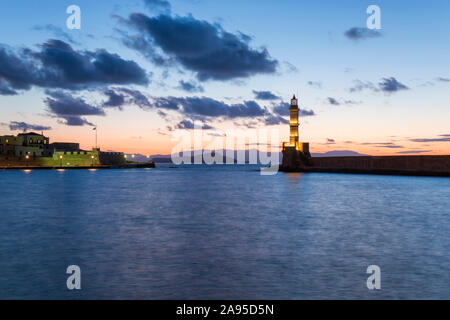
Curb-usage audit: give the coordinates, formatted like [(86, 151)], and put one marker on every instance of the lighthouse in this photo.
[(294, 145), (293, 123)]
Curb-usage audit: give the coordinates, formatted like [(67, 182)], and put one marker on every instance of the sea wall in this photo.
[(66, 159), (414, 162), (405, 165)]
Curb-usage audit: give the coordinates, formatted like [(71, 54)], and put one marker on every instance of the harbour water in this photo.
[(222, 232)]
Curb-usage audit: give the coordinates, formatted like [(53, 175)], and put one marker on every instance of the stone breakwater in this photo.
[(417, 165)]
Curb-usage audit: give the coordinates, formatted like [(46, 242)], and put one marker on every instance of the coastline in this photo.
[(96, 167)]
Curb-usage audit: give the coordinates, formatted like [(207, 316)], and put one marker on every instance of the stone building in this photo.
[(36, 150)]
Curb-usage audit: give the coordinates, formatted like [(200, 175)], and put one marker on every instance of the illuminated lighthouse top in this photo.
[(294, 102)]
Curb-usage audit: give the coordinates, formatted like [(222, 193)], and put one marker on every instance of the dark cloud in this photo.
[(386, 85), (330, 141), (58, 65), (443, 79), (199, 46), (282, 109), (71, 109), (57, 32), (6, 90), (120, 97), (190, 86), (361, 85), (187, 124), (333, 101), (356, 33), (23, 126), (414, 151), (440, 138), (390, 146), (115, 100), (390, 85), (271, 120), (265, 95), (208, 107)]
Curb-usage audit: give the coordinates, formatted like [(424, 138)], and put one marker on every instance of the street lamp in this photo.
[(60, 161), (27, 157), (92, 164)]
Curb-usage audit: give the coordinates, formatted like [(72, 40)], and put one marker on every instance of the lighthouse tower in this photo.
[(293, 123), (294, 146)]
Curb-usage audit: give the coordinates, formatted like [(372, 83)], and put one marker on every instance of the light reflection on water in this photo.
[(222, 232)]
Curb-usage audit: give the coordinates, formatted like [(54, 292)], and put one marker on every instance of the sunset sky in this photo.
[(141, 69)]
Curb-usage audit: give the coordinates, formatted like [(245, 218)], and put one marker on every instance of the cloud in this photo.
[(115, 99), (315, 84), (356, 33), (57, 32), (336, 102), (118, 97), (208, 107), (190, 86), (204, 48), (390, 85), (58, 66), (414, 151), (441, 138), (23, 126), (389, 145), (265, 95), (386, 85), (330, 141), (333, 101), (443, 79), (272, 120), (186, 124), (363, 85), (158, 5), (282, 109), (71, 109)]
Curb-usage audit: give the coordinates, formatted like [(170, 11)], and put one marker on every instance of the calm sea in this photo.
[(222, 232)]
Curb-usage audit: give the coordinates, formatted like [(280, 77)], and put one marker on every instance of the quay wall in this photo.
[(405, 165), (66, 159), (413, 162)]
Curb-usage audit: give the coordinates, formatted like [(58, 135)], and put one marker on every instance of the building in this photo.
[(24, 144), (294, 144), (32, 149)]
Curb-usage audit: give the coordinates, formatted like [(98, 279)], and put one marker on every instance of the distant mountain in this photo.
[(166, 158), (339, 153)]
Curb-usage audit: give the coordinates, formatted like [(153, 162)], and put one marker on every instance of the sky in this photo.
[(141, 70)]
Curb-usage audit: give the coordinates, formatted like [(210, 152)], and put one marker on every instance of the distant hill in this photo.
[(339, 153), (166, 158)]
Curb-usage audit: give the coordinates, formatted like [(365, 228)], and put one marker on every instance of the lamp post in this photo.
[(27, 157), (60, 161), (92, 164)]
